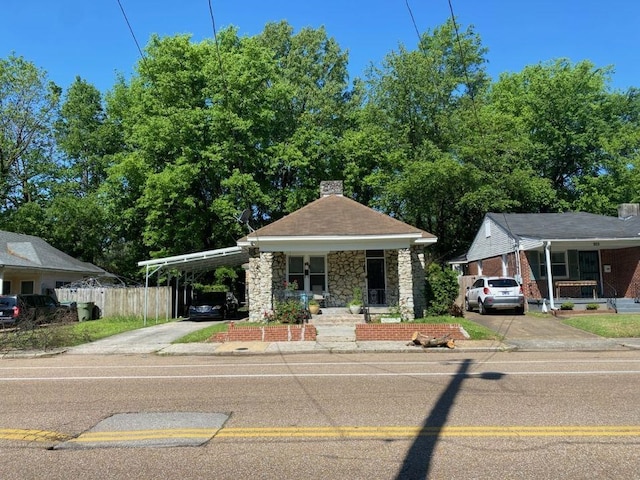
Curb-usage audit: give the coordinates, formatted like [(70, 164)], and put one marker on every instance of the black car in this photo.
[(33, 308), (213, 305)]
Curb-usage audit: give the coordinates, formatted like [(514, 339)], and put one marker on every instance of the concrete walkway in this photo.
[(521, 332)]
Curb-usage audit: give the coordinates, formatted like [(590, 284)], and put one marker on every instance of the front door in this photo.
[(589, 268), (376, 284)]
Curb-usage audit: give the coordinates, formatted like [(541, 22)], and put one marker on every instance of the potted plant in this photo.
[(355, 305), (314, 307)]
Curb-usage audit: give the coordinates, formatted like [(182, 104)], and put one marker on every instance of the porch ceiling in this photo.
[(332, 243)]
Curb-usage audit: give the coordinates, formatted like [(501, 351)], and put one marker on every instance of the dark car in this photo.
[(213, 305), (33, 308)]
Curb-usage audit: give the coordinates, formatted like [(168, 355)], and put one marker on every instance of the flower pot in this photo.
[(355, 309), (314, 309)]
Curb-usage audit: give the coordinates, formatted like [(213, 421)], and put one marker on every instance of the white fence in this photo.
[(122, 301)]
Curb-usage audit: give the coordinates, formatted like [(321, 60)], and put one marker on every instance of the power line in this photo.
[(124, 14), (215, 39)]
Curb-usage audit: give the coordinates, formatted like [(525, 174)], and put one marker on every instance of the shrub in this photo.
[(289, 311), (567, 306), (441, 289), (593, 306)]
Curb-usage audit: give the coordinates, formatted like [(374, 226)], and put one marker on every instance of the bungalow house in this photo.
[(562, 255), (28, 264), (334, 247)]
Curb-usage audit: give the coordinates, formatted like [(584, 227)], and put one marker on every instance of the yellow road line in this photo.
[(32, 435), (137, 435), (328, 432), (411, 432)]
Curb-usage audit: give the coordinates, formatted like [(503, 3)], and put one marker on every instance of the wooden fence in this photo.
[(121, 301)]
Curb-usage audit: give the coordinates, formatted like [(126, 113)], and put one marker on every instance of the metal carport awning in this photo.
[(193, 262)]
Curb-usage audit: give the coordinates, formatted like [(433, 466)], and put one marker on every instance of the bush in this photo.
[(593, 306), (567, 306), (441, 289), (289, 311)]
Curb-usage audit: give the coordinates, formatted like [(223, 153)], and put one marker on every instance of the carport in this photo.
[(187, 266)]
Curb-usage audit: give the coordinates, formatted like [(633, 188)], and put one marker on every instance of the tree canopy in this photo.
[(165, 161)]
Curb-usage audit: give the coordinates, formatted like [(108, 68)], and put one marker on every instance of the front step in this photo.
[(335, 333), (627, 305)]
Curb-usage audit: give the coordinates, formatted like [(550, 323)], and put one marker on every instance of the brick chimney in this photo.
[(331, 187)]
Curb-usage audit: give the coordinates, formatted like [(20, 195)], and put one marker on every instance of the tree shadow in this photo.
[(417, 462)]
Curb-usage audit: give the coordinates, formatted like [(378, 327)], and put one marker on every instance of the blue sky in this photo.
[(90, 38)]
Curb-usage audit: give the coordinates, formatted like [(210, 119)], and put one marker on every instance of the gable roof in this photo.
[(27, 251), (335, 217), (567, 226)]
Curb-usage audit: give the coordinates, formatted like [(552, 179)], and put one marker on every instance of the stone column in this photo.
[(405, 284), (417, 266), (260, 284)]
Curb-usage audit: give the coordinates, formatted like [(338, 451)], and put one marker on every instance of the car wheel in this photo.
[(467, 306), (520, 311), (481, 309)]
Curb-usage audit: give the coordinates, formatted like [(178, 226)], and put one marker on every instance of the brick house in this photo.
[(562, 255), (333, 247)]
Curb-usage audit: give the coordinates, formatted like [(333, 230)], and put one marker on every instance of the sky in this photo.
[(90, 38)]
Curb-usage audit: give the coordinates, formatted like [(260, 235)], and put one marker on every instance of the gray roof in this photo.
[(27, 251), (567, 226)]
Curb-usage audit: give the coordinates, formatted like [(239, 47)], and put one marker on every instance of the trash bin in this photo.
[(85, 311)]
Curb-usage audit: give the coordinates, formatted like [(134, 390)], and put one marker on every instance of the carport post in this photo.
[(146, 295), (547, 256)]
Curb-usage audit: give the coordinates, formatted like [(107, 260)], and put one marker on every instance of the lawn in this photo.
[(69, 334), (607, 325), (475, 331)]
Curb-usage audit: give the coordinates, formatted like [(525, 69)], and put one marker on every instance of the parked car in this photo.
[(499, 293), (213, 305), (38, 309)]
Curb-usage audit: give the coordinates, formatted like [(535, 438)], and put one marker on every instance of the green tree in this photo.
[(28, 103)]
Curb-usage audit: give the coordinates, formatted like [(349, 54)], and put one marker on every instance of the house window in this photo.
[(309, 272), (26, 287), (296, 272), (558, 264), (6, 287), (317, 274)]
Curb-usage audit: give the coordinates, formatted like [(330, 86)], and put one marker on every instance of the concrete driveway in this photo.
[(529, 332)]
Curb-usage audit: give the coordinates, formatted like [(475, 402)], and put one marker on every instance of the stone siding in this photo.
[(346, 271)]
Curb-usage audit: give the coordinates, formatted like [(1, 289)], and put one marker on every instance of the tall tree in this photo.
[(28, 104)]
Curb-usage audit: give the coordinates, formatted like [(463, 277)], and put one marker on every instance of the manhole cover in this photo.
[(150, 430)]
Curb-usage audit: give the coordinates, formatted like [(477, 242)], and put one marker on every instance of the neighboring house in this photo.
[(28, 264), (567, 255), (334, 247)]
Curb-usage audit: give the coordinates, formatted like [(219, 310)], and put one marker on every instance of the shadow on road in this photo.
[(417, 462)]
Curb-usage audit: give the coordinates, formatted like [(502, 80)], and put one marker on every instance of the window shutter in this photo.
[(534, 264)]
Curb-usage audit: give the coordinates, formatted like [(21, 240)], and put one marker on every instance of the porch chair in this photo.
[(319, 295)]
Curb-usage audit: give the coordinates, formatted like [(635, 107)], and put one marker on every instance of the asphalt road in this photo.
[(359, 416)]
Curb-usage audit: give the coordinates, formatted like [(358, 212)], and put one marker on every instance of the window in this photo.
[(317, 274), (309, 272), (26, 287), (558, 264), (296, 272), (6, 287)]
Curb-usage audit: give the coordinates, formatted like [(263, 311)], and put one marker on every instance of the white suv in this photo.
[(488, 293)]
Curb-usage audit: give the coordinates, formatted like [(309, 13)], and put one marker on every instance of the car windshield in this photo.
[(503, 282), (210, 298)]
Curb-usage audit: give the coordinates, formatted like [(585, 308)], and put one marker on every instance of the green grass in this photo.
[(475, 331), (204, 334), (607, 325), (70, 334)]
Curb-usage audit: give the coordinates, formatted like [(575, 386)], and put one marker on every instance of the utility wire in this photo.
[(124, 14), (412, 19), (215, 39)]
